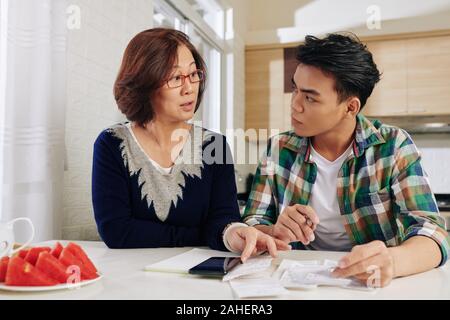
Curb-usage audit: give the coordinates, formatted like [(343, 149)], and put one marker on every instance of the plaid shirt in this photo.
[(383, 192)]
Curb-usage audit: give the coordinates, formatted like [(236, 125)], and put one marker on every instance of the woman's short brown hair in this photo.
[(146, 65)]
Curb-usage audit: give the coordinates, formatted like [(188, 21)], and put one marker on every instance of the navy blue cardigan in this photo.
[(136, 206)]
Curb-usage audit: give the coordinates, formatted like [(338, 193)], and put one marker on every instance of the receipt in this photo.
[(296, 276), (296, 281), (252, 267), (324, 278), (252, 288), (288, 263), (310, 275)]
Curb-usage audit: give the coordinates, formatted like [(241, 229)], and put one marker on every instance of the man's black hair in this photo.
[(346, 59)]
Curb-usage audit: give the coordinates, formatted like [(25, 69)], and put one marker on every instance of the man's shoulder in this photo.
[(392, 135), (287, 139)]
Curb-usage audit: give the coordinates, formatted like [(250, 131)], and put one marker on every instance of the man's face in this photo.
[(315, 107)]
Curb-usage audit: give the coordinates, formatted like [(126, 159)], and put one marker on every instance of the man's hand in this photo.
[(296, 223), (371, 263), (251, 241)]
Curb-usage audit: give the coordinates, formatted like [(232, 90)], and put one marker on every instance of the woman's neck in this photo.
[(167, 133)]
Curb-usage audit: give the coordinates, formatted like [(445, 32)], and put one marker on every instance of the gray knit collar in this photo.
[(158, 188)]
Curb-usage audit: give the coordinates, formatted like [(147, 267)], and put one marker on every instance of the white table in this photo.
[(124, 278)]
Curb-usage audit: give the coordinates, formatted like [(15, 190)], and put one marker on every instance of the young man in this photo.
[(341, 182)]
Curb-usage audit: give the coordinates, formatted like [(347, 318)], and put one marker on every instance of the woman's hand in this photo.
[(251, 242)]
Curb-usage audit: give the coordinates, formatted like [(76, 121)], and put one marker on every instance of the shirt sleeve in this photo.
[(260, 207), (112, 210), (224, 207), (414, 201)]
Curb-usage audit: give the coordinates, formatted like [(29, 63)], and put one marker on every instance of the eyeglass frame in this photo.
[(183, 81)]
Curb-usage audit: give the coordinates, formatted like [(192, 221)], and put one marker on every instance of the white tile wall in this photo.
[(435, 150), (94, 56)]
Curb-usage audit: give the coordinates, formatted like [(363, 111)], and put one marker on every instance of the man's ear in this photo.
[(353, 106)]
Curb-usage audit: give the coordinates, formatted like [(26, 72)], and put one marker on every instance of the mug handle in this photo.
[(32, 233), (4, 245)]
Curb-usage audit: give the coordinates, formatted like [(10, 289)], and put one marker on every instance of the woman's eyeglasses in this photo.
[(178, 80)]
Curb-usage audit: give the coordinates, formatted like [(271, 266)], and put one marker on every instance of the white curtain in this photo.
[(32, 113)]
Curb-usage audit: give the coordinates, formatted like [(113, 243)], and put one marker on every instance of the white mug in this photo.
[(7, 237)]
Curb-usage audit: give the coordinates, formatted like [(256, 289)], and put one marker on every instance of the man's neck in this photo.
[(335, 142)]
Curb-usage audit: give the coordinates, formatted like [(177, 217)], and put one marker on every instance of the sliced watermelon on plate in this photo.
[(56, 251), (33, 254), (52, 267), (22, 273), (3, 267), (78, 252), (23, 253), (68, 259)]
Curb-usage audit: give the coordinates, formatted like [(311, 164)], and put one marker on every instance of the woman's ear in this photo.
[(353, 106)]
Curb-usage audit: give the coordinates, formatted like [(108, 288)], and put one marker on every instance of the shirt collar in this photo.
[(366, 135)]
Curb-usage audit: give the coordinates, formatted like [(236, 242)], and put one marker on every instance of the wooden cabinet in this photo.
[(429, 75), (389, 97), (416, 77), (265, 98)]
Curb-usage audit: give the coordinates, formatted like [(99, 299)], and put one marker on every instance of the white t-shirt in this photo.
[(330, 234), (161, 169)]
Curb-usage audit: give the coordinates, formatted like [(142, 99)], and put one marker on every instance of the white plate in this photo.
[(61, 286)]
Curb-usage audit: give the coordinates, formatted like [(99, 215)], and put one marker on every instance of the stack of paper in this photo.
[(253, 279), (259, 276), (252, 288), (311, 274), (258, 267)]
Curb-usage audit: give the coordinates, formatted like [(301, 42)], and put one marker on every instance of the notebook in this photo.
[(183, 262)]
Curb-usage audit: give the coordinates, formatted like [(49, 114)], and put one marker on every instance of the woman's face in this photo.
[(178, 104)]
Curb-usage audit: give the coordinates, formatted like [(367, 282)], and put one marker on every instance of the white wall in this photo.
[(435, 150), (94, 56)]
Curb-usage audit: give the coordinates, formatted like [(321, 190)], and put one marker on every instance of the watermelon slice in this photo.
[(22, 273), (78, 252), (33, 254), (52, 267), (3, 267), (56, 251), (23, 253), (68, 259)]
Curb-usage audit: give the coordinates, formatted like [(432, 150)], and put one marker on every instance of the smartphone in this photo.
[(215, 266)]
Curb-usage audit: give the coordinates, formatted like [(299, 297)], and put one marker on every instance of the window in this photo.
[(212, 13), (203, 21), (210, 107), (165, 16)]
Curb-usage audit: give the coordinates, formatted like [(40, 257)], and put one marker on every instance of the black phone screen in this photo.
[(215, 266)]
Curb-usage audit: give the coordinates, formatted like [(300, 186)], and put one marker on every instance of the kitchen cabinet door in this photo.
[(264, 103), (389, 97), (429, 75)]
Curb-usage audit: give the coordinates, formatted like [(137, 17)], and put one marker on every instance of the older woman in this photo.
[(159, 181)]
